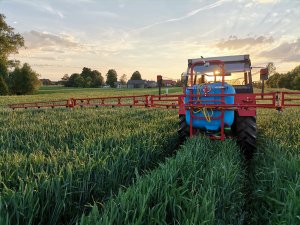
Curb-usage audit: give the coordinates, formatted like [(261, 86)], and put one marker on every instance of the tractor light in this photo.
[(216, 72)]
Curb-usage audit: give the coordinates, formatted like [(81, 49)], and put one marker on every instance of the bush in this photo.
[(23, 81)]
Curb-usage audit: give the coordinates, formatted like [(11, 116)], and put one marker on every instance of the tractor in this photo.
[(207, 97)]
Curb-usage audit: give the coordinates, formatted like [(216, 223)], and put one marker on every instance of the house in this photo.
[(151, 84), (137, 84), (169, 82), (118, 84), (46, 82)]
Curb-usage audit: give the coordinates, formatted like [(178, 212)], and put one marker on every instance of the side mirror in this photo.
[(184, 74), (264, 74)]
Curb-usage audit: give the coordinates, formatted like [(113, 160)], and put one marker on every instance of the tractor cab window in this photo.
[(212, 76), (201, 78)]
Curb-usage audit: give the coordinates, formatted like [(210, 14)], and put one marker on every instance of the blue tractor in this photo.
[(209, 101)]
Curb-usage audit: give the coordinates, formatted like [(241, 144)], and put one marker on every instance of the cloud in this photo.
[(108, 14), (53, 11), (194, 12), (234, 42), (55, 65), (286, 51), (47, 58), (189, 14), (255, 3), (35, 40), (104, 14), (266, 1), (43, 7)]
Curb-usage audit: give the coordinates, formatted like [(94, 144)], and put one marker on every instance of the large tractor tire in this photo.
[(184, 129), (245, 131)]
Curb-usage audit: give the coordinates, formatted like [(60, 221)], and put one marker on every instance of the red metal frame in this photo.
[(244, 102)]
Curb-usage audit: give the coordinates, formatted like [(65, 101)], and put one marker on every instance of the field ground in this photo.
[(58, 92), (119, 166)]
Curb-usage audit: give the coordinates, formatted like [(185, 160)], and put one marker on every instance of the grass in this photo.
[(59, 92), (54, 163), (275, 174), (201, 185)]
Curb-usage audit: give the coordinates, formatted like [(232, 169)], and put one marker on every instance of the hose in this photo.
[(204, 110)]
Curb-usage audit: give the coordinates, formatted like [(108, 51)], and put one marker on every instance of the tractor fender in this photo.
[(245, 104)]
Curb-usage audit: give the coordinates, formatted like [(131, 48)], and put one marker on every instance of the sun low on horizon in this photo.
[(153, 37)]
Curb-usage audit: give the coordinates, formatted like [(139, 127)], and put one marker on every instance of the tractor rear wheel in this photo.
[(184, 129), (245, 131)]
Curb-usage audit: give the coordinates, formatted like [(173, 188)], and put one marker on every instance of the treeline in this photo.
[(87, 78), (93, 78), (289, 80)]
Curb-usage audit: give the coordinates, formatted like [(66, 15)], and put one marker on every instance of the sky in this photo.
[(154, 36)]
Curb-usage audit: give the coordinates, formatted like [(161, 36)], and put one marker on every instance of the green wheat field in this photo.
[(125, 166)]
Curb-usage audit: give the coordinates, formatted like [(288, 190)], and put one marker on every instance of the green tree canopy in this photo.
[(136, 76), (23, 80), (87, 78), (272, 82), (296, 82), (284, 81), (289, 80), (111, 77), (97, 79), (3, 68), (3, 87), (123, 79), (76, 80), (92, 78), (10, 42)]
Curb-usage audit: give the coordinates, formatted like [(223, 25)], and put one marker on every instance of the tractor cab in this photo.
[(234, 70)]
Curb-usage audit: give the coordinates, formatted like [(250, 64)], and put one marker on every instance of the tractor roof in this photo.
[(234, 63)]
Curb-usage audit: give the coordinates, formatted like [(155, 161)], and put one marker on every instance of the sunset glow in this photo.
[(154, 37)]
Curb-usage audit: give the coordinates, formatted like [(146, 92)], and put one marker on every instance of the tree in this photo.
[(123, 79), (10, 42), (24, 80), (3, 87), (296, 82), (3, 69), (284, 81), (272, 82), (136, 76), (64, 80), (92, 78), (76, 80), (295, 76), (65, 77), (111, 77), (97, 79), (87, 78), (257, 84)]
